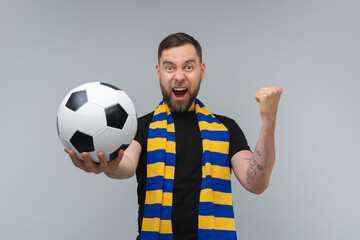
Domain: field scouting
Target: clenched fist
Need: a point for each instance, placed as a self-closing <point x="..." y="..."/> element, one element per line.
<point x="269" y="98"/>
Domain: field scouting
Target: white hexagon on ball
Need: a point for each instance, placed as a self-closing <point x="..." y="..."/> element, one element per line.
<point x="128" y="130"/>
<point x="102" y="143"/>
<point x="66" y="123"/>
<point x="67" y="144"/>
<point x="90" y="119"/>
<point x="126" y="103"/>
<point x="102" y="95"/>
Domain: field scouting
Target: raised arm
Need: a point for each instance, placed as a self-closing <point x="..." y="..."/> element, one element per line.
<point x="124" y="166"/>
<point x="253" y="169"/>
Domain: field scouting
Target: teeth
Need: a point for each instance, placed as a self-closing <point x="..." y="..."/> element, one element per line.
<point x="180" y="89"/>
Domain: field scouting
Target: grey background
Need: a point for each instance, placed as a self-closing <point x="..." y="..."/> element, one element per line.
<point x="309" y="48"/>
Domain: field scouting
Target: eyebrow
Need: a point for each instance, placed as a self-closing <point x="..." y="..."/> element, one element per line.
<point x="188" y="61"/>
<point x="167" y="62"/>
<point x="191" y="60"/>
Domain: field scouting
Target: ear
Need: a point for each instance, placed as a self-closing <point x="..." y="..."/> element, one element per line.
<point x="203" y="70"/>
<point x="158" y="72"/>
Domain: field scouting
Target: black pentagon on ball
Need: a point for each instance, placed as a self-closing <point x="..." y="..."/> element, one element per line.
<point x="82" y="142"/>
<point x="116" y="116"/>
<point x="77" y="100"/>
<point x="110" y="86"/>
<point x="115" y="153"/>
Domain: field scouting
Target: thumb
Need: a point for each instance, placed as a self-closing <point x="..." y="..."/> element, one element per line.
<point x="113" y="164"/>
<point x="259" y="97"/>
<point x="120" y="154"/>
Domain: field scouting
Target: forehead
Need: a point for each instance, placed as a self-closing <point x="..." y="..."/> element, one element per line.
<point x="179" y="54"/>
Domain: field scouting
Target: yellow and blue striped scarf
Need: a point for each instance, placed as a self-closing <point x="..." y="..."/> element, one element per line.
<point x="216" y="215"/>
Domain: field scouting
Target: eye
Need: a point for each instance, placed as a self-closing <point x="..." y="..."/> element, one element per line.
<point x="169" y="68"/>
<point x="189" y="67"/>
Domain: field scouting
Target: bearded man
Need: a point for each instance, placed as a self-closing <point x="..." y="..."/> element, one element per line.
<point x="183" y="154"/>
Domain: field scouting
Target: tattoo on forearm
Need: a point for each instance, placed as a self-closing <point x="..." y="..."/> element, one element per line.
<point x="253" y="166"/>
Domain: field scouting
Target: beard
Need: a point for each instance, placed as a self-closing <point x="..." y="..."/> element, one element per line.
<point x="182" y="106"/>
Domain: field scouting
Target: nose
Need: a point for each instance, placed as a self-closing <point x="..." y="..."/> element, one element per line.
<point x="179" y="75"/>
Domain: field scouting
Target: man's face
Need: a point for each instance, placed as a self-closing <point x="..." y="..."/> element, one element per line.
<point x="180" y="73"/>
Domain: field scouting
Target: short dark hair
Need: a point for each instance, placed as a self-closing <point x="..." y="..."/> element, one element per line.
<point x="176" y="40"/>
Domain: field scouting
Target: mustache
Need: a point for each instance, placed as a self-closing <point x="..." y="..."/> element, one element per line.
<point x="179" y="85"/>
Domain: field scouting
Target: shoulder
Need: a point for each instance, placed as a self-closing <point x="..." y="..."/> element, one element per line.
<point x="228" y="122"/>
<point x="238" y="140"/>
<point x="145" y="119"/>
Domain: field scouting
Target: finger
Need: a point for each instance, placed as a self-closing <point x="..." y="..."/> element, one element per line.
<point x="120" y="154"/>
<point x="89" y="163"/>
<point x="267" y="93"/>
<point x="267" y="88"/>
<point x="77" y="162"/>
<point x="259" y="96"/>
<point x="103" y="162"/>
<point x="117" y="160"/>
<point x="276" y="90"/>
<point x="66" y="150"/>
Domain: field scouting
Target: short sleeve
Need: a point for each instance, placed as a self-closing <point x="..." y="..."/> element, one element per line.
<point x="143" y="128"/>
<point x="238" y="140"/>
<point x="139" y="137"/>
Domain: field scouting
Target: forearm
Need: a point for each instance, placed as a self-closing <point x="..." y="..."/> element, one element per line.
<point x="263" y="159"/>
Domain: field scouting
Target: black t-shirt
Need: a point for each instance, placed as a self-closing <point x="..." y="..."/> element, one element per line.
<point x="188" y="169"/>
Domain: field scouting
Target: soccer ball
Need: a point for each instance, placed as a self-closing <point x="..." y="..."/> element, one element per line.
<point x="96" y="117"/>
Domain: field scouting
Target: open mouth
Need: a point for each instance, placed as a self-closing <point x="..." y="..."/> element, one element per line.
<point x="180" y="93"/>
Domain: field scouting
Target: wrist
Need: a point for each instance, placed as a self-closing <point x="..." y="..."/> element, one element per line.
<point x="268" y="121"/>
<point x="111" y="172"/>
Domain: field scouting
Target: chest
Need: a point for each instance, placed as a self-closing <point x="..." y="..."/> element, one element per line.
<point x="188" y="149"/>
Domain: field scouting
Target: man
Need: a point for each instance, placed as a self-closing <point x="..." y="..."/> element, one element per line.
<point x="182" y="154"/>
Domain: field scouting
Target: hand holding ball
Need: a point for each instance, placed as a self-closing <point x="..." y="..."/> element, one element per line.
<point x="96" y="117"/>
